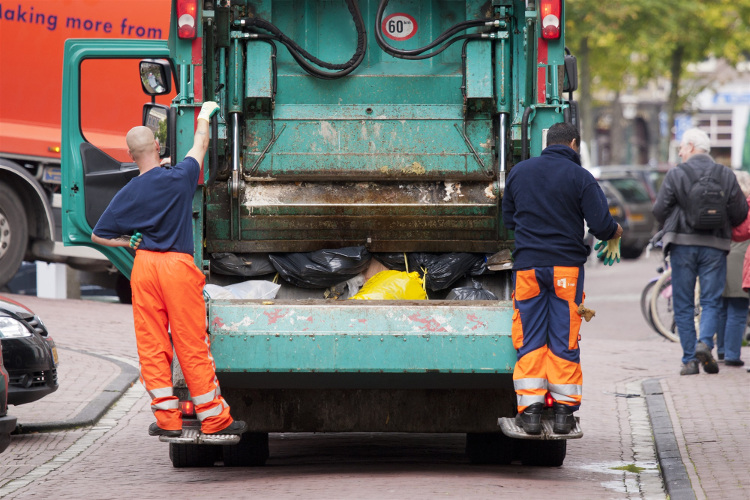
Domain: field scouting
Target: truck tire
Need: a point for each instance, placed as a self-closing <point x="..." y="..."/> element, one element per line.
<point x="14" y="234"/>
<point x="193" y="455"/>
<point x="123" y="290"/>
<point x="251" y="451"/>
<point x="547" y="453"/>
<point x="490" y="448"/>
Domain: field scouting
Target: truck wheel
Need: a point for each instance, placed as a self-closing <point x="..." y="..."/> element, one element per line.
<point x="123" y="290"/>
<point x="549" y="453"/>
<point x="193" y="455"/>
<point x="252" y="450"/>
<point x="490" y="448"/>
<point x="14" y="234"/>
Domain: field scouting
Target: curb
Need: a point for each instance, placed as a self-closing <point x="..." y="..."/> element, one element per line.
<point x="94" y="410"/>
<point x="673" y="469"/>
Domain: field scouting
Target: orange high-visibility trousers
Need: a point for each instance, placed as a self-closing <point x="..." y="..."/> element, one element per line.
<point x="545" y="331"/>
<point x="168" y="296"/>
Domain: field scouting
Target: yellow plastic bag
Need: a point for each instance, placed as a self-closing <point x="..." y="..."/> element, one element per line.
<point x="392" y="285"/>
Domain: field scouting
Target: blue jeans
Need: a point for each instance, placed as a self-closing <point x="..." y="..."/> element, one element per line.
<point x="731" y="329"/>
<point x="710" y="266"/>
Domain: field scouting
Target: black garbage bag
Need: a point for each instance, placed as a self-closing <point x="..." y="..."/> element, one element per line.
<point x="241" y="264"/>
<point x="322" y="268"/>
<point x="474" y="292"/>
<point x="440" y="270"/>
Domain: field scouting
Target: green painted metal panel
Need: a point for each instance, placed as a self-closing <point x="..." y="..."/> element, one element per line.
<point x="362" y="336"/>
<point x="258" y="77"/>
<point x="479" y="70"/>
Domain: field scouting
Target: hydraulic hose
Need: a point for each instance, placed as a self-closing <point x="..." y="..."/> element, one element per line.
<point x="417" y="54"/>
<point x="301" y="56"/>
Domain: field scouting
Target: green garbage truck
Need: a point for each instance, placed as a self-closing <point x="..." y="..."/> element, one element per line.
<point x="352" y="136"/>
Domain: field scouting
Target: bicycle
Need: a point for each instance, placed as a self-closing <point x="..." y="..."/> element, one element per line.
<point x="656" y="299"/>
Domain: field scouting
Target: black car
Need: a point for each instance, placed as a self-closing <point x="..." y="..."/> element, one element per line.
<point x="7" y="423"/>
<point x="633" y="187"/>
<point x="29" y="353"/>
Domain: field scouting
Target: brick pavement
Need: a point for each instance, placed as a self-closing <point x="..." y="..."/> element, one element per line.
<point x="709" y="415"/>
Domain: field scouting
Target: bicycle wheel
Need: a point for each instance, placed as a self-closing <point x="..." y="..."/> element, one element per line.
<point x="662" y="311"/>
<point x="646" y="302"/>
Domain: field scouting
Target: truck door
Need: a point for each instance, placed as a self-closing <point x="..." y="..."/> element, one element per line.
<point x="100" y="77"/>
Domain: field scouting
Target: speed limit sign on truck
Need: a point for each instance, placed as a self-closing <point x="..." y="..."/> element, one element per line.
<point x="399" y="26"/>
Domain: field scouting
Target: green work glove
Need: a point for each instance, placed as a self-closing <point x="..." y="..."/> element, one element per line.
<point x="135" y="240"/>
<point x="609" y="251"/>
<point x="208" y="109"/>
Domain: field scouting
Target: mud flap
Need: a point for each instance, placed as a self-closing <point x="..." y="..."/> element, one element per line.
<point x="510" y="429"/>
<point x="195" y="436"/>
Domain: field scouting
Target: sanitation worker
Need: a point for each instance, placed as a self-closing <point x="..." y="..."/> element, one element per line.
<point x="546" y="200"/>
<point x="156" y="208"/>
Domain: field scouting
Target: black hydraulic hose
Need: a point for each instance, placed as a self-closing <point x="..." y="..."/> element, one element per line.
<point x="473" y="36"/>
<point x="302" y="56"/>
<point x="415" y="53"/>
<point x="525" y="134"/>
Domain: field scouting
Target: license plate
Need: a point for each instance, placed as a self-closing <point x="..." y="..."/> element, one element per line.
<point x="636" y="217"/>
<point x="54" y="354"/>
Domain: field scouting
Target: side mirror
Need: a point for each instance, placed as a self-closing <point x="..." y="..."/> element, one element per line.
<point x="156" y="117"/>
<point x="156" y="77"/>
<point x="570" y="82"/>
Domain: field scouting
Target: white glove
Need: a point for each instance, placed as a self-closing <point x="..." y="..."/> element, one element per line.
<point x="207" y="110"/>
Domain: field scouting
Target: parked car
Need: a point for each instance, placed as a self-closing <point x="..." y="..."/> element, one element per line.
<point x="29" y="353"/>
<point x="641" y="223"/>
<point x="616" y="210"/>
<point x="651" y="177"/>
<point x="7" y="422"/>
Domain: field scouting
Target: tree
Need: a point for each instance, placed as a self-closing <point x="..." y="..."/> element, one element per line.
<point x="643" y="39"/>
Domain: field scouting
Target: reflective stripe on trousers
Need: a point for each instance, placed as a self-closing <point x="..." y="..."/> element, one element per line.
<point x="545" y="332"/>
<point x="168" y="295"/>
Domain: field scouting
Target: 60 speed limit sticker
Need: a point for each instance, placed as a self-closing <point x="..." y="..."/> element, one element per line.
<point x="399" y="26"/>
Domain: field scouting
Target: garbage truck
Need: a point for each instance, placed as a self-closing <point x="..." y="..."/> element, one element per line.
<point x="352" y="137"/>
<point x="32" y="36"/>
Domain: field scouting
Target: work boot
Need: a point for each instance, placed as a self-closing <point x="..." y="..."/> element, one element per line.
<point x="564" y="419"/>
<point x="530" y="420"/>
<point x="690" y="368"/>
<point x="236" y="428"/>
<point x="155" y="430"/>
<point x="703" y="353"/>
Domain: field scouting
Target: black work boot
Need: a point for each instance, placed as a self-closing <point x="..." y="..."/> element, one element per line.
<point x="530" y="420"/>
<point x="235" y="428"/>
<point x="564" y="419"/>
<point x="155" y="430"/>
<point x="703" y="353"/>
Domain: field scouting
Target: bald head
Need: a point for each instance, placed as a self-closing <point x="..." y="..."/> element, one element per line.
<point x="141" y="144"/>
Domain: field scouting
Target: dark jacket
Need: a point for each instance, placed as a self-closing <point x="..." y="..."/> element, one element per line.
<point x="672" y="198"/>
<point x="545" y="202"/>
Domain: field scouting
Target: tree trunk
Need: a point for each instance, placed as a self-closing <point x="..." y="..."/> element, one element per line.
<point x="617" y="139"/>
<point x="584" y="82"/>
<point x="675" y="75"/>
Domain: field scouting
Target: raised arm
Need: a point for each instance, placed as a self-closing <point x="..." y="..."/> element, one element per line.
<point x="201" y="139"/>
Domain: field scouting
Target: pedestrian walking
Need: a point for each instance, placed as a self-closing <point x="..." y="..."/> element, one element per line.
<point x="698" y="204"/>
<point x="167" y="285"/>
<point x="735" y="301"/>
<point x="546" y="202"/>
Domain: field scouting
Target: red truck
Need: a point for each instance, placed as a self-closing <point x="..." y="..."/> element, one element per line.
<point x="32" y="35"/>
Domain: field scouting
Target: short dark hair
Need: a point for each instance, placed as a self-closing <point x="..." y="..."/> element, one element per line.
<point x="563" y="133"/>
